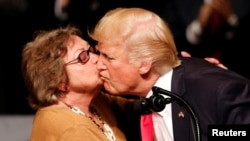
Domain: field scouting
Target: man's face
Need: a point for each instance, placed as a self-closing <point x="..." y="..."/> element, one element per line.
<point x="119" y="75"/>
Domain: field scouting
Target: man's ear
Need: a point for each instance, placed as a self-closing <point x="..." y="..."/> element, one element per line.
<point x="146" y="65"/>
<point x="63" y="87"/>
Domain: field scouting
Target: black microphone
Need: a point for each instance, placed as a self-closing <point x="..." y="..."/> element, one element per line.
<point x="182" y="102"/>
<point x="157" y="103"/>
<point x="154" y="103"/>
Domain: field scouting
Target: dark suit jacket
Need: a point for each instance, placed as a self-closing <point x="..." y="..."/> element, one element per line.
<point x="216" y="95"/>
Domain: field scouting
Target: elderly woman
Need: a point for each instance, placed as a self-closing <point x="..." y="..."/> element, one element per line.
<point x="59" y="69"/>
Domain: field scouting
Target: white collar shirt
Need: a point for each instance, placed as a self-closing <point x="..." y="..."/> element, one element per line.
<point x="163" y="127"/>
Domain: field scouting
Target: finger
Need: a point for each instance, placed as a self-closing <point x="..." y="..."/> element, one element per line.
<point x="185" y="54"/>
<point x="222" y="66"/>
<point x="212" y="60"/>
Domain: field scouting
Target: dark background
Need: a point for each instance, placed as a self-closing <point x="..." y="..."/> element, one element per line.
<point x="19" y="20"/>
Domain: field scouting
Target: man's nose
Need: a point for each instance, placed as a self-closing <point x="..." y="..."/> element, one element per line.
<point x="94" y="58"/>
<point x="100" y="65"/>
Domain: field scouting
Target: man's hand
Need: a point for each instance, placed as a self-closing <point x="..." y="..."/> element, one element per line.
<point x="209" y="59"/>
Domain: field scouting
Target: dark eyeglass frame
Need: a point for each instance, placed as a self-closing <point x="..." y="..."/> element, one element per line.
<point x="83" y="56"/>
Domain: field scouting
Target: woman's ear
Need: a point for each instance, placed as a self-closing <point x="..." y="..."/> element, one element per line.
<point x="63" y="87"/>
<point x="146" y="65"/>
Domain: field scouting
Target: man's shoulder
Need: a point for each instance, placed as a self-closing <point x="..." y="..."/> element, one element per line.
<point x="196" y="63"/>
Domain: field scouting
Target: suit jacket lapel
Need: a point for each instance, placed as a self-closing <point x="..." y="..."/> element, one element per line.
<point x="181" y="119"/>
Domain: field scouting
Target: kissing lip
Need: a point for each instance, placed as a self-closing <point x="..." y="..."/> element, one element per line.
<point x="103" y="77"/>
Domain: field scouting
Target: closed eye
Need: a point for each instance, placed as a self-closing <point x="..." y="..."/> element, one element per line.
<point x="97" y="52"/>
<point x="107" y="57"/>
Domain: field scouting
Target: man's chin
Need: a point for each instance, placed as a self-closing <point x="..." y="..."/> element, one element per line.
<point x="106" y="87"/>
<point x="109" y="89"/>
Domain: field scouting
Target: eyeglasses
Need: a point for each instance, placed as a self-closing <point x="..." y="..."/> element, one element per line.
<point x="83" y="57"/>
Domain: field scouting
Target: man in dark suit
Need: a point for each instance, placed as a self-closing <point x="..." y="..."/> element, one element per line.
<point x="137" y="52"/>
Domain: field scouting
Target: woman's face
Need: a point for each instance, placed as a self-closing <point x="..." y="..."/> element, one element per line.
<point x="80" y="63"/>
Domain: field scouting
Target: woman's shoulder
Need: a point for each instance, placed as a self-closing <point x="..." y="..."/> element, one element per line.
<point x="58" y="116"/>
<point x="61" y="122"/>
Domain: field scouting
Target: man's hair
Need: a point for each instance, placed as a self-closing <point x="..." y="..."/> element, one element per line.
<point x="143" y="34"/>
<point x="43" y="67"/>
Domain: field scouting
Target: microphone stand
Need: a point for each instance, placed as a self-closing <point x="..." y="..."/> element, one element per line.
<point x="157" y="103"/>
<point x="174" y="97"/>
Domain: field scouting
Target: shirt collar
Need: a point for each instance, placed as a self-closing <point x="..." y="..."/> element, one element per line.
<point x="163" y="82"/>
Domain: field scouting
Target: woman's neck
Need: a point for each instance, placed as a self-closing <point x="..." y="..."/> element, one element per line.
<point x="81" y="101"/>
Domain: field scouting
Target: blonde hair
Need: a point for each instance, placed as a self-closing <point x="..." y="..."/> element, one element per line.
<point x="43" y="67"/>
<point x="142" y="32"/>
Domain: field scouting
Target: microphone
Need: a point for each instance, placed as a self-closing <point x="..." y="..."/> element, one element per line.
<point x="154" y="103"/>
<point x="157" y="103"/>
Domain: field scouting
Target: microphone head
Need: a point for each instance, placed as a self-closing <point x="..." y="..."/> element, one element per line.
<point x="155" y="103"/>
<point x="142" y="107"/>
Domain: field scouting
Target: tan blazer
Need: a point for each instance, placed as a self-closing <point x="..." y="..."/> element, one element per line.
<point x="61" y="124"/>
